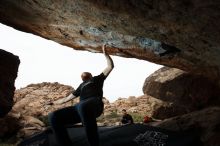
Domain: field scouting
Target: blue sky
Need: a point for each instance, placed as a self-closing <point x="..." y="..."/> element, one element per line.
<point x="47" y="61"/>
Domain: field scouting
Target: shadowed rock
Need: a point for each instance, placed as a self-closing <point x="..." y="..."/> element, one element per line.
<point x="184" y="34"/>
<point x="8" y="72"/>
<point x="205" y="123"/>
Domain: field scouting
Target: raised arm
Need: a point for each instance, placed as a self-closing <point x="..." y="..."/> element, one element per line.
<point x="110" y="64"/>
<point x="65" y="99"/>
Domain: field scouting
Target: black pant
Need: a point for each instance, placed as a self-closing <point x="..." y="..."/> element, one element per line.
<point x="86" y="112"/>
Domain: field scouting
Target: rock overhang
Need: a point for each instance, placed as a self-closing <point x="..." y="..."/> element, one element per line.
<point x="182" y="34"/>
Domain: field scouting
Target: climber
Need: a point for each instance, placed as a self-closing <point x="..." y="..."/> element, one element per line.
<point x="86" y="111"/>
<point x="126" y="118"/>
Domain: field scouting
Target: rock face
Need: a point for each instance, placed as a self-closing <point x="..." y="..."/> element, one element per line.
<point x="147" y="105"/>
<point x="142" y="105"/>
<point x="32" y="105"/>
<point x="8" y="72"/>
<point x="186" y="92"/>
<point x="35" y="99"/>
<point x="204" y="123"/>
<point x="182" y="34"/>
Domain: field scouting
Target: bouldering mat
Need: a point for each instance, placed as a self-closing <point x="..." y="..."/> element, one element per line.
<point x="125" y="135"/>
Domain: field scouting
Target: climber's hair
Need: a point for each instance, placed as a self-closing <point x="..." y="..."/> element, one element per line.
<point x="86" y="76"/>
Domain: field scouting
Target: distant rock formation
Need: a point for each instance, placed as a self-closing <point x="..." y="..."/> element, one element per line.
<point x="32" y="105"/>
<point x="142" y="105"/>
<point x="138" y="107"/>
<point x="9" y="64"/>
<point x="36" y="99"/>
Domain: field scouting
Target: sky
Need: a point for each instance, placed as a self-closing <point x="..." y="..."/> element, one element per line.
<point x="44" y="60"/>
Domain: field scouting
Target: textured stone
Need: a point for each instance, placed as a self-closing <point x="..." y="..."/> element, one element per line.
<point x="8" y="72"/>
<point x="186" y="92"/>
<point x="184" y="34"/>
<point x="142" y="105"/>
<point x="36" y="99"/>
<point x="205" y="123"/>
<point x="32" y="105"/>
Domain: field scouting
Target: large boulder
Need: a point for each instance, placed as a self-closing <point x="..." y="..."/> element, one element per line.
<point x="184" y="91"/>
<point x="184" y="34"/>
<point x="204" y="123"/>
<point x="9" y="64"/>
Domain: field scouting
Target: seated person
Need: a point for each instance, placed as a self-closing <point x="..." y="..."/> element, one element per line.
<point x="126" y="119"/>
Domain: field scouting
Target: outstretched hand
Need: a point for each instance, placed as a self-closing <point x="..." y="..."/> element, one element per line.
<point x="103" y="49"/>
<point x="57" y="102"/>
<point x="110" y="64"/>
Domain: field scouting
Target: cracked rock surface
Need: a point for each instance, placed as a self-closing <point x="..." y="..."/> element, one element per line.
<point x="184" y="34"/>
